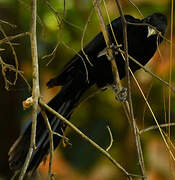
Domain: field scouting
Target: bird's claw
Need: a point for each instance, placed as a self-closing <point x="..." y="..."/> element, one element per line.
<point x="114" y="48"/>
<point x="122" y="95"/>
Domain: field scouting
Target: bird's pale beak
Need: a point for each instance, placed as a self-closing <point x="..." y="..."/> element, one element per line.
<point x="151" y="32"/>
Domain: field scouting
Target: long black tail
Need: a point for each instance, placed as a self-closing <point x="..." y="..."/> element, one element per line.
<point x="64" y="103"/>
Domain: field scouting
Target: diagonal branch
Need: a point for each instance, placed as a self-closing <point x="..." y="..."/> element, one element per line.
<point x="117" y="82"/>
<point x="10" y="38"/>
<point x="100" y="149"/>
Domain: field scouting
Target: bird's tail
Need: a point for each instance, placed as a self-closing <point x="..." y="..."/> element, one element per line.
<point x="64" y="103"/>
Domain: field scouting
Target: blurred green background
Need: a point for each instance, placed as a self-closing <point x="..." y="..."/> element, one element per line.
<point x="81" y="161"/>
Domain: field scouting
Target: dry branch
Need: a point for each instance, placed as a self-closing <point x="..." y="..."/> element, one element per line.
<point x="50" y="174"/>
<point x="155" y="127"/>
<point x="35" y="90"/>
<point x="100" y="149"/>
<point x="133" y="123"/>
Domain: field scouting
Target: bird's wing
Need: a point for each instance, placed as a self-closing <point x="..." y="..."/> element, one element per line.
<point x="79" y="64"/>
<point x="79" y="61"/>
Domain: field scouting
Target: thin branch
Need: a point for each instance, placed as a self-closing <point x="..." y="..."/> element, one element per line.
<point x="9" y="24"/>
<point x="100" y="149"/>
<point x="136" y="7"/>
<point x="52" y="54"/>
<point x="133" y="123"/>
<point x="13" y="52"/>
<point x="111" y="139"/>
<point x="155" y="127"/>
<point x="117" y="82"/>
<point x="50" y="173"/>
<point x="149" y="72"/>
<point x="4" y="67"/>
<point x="60" y="19"/>
<point x="170" y="66"/>
<point x="78" y="54"/>
<point x="14" y="175"/>
<point x="154" y="117"/>
<point x="35" y="90"/>
<point x="11" y="38"/>
<point x="83" y="35"/>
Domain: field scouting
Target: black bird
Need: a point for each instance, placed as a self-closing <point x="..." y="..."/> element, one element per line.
<point x="74" y="79"/>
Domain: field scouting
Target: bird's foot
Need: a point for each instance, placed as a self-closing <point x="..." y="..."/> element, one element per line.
<point x="114" y="48"/>
<point x="121" y="95"/>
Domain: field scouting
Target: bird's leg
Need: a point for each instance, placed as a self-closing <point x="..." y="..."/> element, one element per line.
<point x="121" y="95"/>
<point x="114" y="48"/>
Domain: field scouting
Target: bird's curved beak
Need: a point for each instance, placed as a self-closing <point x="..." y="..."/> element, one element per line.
<point x="151" y="32"/>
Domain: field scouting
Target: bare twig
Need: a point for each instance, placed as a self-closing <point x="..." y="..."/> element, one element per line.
<point x="111" y="139"/>
<point x="127" y="106"/>
<point x="133" y="123"/>
<point x="14" y="175"/>
<point x="35" y="91"/>
<point x="155" y="119"/>
<point x="77" y="53"/>
<point x="117" y="84"/>
<point x="136" y="7"/>
<point x="4" y="67"/>
<point x="82" y="39"/>
<point x="155" y="127"/>
<point x="11" y="38"/>
<point x="52" y="54"/>
<point x="51" y="133"/>
<point x="13" y="52"/>
<point x="9" y="24"/>
<point x="59" y="18"/>
<point x="50" y="173"/>
<point x="149" y="72"/>
<point x="100" y="149"/>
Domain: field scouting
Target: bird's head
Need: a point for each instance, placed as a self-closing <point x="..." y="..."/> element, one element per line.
<point x="158" y="21"/>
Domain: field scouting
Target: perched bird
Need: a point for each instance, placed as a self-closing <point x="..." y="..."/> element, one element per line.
<point x="81" y="73"/>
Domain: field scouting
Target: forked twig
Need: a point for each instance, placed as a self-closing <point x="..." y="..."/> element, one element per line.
<point x="13" y="52"/>
<point x="11" y="38"/>
<point x="5" y="67"/>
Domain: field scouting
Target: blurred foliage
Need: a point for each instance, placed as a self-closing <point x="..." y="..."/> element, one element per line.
<point x="81" y="161"/>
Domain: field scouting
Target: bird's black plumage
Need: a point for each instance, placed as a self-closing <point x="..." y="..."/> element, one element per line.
<point x="75" y="80"/>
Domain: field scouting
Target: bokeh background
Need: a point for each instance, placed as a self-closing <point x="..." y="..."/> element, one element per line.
<point x="81" y="161"/>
